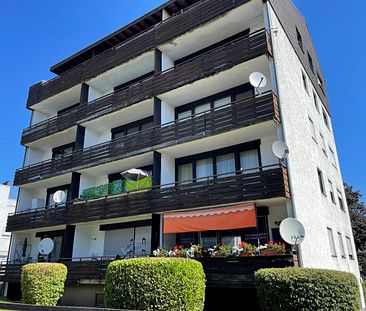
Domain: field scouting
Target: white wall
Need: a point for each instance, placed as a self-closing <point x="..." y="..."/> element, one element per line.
<point x="34" y="155"/>
<point x="167" y="169"/>
<point x="167" y="112"/>
<point x="38" y="116"/>
<point x="88" y="181"/>
<point x="166" y="62"/>
<point x="312" y="208"/>
<point x="95" y="93"/>
<point x="88" y="241"/>
<point x="26" y="196"/>
<point x="93" y="137"/>
<point x="17" y="246"/>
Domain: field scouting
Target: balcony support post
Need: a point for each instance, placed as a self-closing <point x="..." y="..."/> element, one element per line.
<point x="68" y="242"/>
<point x="155" y="232"/>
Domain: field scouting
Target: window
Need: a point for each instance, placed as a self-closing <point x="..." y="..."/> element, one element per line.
<point x="59" y="152"/>
<point x="225" y="164"/>
<point x="332" y="157"/>
<point x="331" y="192"/>
<point x="322" y="141"/>
<point x="325" y="119"/>
<point x="51" y="191"/>
<point x="312" y="129"/>
<point x="305" y="82"/>
<point x="321" y="181"/>
<point x="299" y="39"/>
<point x="215" y="102"/>
<point x="331" y="243"/>
<point x="311" y="62"/>
<point x="202" y="108"/>
<point x="249" y="161"/>
<point x="184" y="114"/>
<point x="219" y="163"/>
<point x="349" y="247"/>
<point x="341" y="245"/>
<point x="185" y="172"/>
<point x="316" y="104"/>
<point x="204" y="168"/>
<point x="132" y="128"/>
<point x="340" y="200"/>
<point x="222" y="102"/>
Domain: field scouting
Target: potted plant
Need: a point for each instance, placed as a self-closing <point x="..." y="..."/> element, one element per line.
<point x="273" y="249"/>
<point x="179" y="251"/>
<point x="222" y="250"/>
<point x="195" y="251"/>
<point x="246" y="249"/>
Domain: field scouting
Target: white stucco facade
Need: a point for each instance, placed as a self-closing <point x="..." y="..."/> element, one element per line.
<point x="300" y="116"/>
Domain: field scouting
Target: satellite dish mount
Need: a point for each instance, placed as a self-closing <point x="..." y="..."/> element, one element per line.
<point x="257" y="80"/>
<point x="292" y="232"/>
<point x="280" y="150"/>
<point x="45" y="246"/>
<point x="59" y="197"/>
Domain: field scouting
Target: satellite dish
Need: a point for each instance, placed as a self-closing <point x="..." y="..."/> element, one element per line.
<point x="292" y="231"/>
<point x="257" y="80"/>
<point x="45" y="246"/>
<point x="280" y="149"/>
<point x="59" y="196"/>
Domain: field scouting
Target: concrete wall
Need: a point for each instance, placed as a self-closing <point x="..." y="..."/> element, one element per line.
<point x="81" y="295"/>
<point x="311" y="207"/>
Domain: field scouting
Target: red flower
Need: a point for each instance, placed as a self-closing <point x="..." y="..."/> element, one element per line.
<point x="180" y="246"/>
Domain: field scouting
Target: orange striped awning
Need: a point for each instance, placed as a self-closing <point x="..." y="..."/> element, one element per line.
<point x="224" y="218"/>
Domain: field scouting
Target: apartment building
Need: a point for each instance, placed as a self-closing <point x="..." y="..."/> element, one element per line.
<point x="169" y="94"/>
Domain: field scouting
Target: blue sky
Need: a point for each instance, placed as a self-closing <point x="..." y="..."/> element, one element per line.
<point x="37" y="34"/>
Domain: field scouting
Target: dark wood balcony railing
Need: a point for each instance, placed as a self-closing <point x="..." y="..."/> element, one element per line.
<point x="187" y="20"/>
<point x="217" y="60"/>
<point x="235" y="115"/>
<point x="261" y="183"/>
<point x="236" y="272"/>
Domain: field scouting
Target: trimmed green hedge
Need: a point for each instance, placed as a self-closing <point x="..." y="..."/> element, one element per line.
<point x="306" y="289"/>
<point x="43" y="283"/>
<point x="155" y="284"/>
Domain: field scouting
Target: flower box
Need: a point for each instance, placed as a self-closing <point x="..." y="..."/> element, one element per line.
<point x="269" y="252"/>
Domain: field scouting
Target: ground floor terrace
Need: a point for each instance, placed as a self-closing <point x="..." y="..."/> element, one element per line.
<point x="87" y="248"/>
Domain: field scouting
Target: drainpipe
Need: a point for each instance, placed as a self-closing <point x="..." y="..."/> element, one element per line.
<point x="281" y="132"/>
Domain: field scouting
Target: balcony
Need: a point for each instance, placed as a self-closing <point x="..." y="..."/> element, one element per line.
<point x="261" y="183"/>
<point x="205" y="65"/>
<point x="237" y="272"/>
<point x="193" y="16"/>
<point x="236" y="115"/>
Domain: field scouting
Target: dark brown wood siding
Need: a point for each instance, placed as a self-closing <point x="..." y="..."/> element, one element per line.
<point x="267" y="182"/>
<point x="240" y="114"/>
<point x="175" y="26"/>
<point x="218" y="60"/>
<point x="237" y="272"/>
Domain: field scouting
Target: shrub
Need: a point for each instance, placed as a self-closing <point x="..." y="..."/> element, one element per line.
<point x="43" y="283"/>
<point x="306" y="289"/>
<point x="155" y="284"/>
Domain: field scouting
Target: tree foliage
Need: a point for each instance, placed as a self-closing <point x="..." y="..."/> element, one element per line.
<point x="357" y="211"/>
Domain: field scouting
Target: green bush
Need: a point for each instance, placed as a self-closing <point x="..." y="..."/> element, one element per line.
<point x="43" y="283"/>
<point x="306" y="289"/>
<point x="155" y="284"/>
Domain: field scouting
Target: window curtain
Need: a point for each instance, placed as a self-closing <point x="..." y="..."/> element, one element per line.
<point x="185" y="173"/>
<point x="204" y="168"/>
<point x="249" y="161"/>
<point x="222" y="102"/>
<point x="225" y="165"/>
